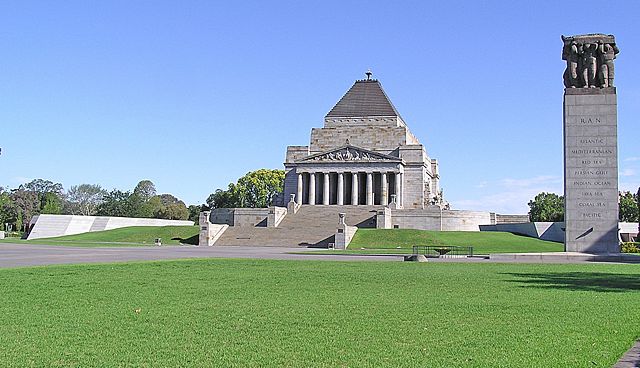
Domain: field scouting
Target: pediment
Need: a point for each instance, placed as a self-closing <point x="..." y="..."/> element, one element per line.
<point x="349" y="153"/>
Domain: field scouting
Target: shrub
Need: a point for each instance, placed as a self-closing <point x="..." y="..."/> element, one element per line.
<point x="630" y="247"/>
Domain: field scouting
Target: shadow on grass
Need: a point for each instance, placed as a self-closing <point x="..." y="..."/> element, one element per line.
<point x="193" y="240"/>
<point x="579" y="281"/>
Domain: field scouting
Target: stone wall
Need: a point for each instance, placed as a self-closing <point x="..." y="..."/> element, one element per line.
<point x="222" y="216"/>
<point x="432" y="218"/>
<point x="250" y="217"/>
<point x="375" y="138"/>
<point x="47" y="226"/>
<point x="551" y="231"/>
<point x="240" y="216"/>
<point x="413" y="189"/>
<point x="511" y="219"/>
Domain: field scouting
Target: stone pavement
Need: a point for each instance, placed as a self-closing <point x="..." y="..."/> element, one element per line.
<point x="19" y="255"/>
<point x="631" y="359"/>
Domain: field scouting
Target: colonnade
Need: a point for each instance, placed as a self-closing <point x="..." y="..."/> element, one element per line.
<point x="348" y="188"/>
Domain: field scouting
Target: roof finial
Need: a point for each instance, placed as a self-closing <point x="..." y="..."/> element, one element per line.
<point x="368" y="74"/>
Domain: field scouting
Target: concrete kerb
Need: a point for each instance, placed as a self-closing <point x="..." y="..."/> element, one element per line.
<point x="631" y="358"/>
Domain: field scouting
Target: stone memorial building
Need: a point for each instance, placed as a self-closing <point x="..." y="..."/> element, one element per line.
<point x="363" y="168"/>
<point x="364" y="154"/>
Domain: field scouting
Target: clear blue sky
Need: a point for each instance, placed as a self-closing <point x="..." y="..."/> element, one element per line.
<point x="194" y="94"/>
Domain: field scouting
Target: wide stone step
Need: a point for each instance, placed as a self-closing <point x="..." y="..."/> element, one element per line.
<point x="311" y="226"/>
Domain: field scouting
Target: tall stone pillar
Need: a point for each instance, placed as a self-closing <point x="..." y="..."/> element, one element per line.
<point x="325" y="190"/>
<point x="398" y="188"/>
<point x="312" y="188"/>
<point x="369" y="189"/>
<point x="299" y="190"/>
<point x="340" y="194"/>
<point x="354" y="189"/>
<point x="591" y="151"/>
<point x="385" y="190"/>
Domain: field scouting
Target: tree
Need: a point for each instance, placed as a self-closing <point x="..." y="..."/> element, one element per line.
<point x="256" y="189"/>
<point x="7" y="209"/>
<point x="628" y="207"/>
<point x="146" y="209"/>
<point x="116" y="203"/>
<point x="145" y="190"/>
<point x="173" y="211"/>
<point x="84" y="199"/>
<point x="42" y="186"/>
<point x="546" y="207"/>
<point x="194" y="213"/>
<point x="223" y="198"/>
<point x="27" y="204"/>
<point x="52" y="204"/>
<point x="171" y="208"/>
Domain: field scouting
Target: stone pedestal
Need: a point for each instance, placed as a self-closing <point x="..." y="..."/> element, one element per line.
<point x="591" y="170"/>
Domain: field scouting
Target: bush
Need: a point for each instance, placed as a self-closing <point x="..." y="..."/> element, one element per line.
<point x="630" y="247"/>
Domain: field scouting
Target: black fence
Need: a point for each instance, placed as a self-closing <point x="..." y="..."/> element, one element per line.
<point x="436" y="251"/>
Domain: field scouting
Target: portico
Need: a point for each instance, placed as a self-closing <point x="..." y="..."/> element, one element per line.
<point x="328" y="186"/>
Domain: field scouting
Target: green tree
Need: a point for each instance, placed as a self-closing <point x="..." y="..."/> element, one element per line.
<point x="52" y="204"/>
<point x="171" y="208"/>
<point x="145" y="190"/>
<point x="42" y="186"/>
<point x="7" y="209"/>
<point x="223" y="198"/>
<point x="194" y="213"/>
<point x="84" y="199"/>
<point x="256" y="189"/>
<point x="27" y="204"/>
<point x="146" y="209"/>
<point x="117" y="203"/>
<point x="546" y="207"/>
<point x="173" y="211"/>
<point x="628" y="211"/>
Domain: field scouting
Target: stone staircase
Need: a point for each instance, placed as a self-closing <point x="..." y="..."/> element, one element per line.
<point x="311" y="226"/>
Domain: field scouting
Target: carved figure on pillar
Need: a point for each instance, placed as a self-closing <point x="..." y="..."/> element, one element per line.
<point x="572" y="55"/>
<point x="589" y="64"/>
<point x="607" y="53"/>
<point x="589" y="60"/>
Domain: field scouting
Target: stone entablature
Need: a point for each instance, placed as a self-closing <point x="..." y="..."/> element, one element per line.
<point x="394" y="121"/>
<point x="349" y="153"/>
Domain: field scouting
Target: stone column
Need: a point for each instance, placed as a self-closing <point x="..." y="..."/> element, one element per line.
<point x="354" y="189"/>
<point x="369" y="189"/>
<point x="340" y="189"/>
<point x="385" y="190"/>
<point x="398" y="180"/>
<point x="591" y="170"/>
<point x="312" y="188"/>
<point x="325" y="190"/>
<point x="299" y="191"/>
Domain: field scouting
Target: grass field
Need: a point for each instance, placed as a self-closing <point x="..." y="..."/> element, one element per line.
<point x="258" y="313"/>
<point x="126" y="236"/>
<point x="486" y="242"/>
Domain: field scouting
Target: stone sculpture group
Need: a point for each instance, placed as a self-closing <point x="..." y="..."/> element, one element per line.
<point x="589" y="60"/>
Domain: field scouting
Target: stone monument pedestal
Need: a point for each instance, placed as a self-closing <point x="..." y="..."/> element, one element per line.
<point x="591" y="170"/>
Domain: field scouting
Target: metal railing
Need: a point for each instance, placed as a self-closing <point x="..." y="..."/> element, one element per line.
<point x="437" y="251"/>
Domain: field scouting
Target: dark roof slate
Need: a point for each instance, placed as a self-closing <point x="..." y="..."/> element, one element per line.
<point x="364" y="98"/>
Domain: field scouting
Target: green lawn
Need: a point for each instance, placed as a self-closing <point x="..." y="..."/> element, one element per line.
<point x="126" y="236"/>
<point x="485" y="242"/>
<point x="260" y="313"/>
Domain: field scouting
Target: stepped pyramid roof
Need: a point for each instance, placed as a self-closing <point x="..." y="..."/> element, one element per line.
<point x="365" y="98"/>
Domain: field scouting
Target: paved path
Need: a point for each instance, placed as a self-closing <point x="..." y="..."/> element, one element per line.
<point x="630" y="359"/>
<point x="18" y="255"/>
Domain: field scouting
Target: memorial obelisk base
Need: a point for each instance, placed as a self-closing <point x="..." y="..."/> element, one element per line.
<point x="591" y="170"/>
